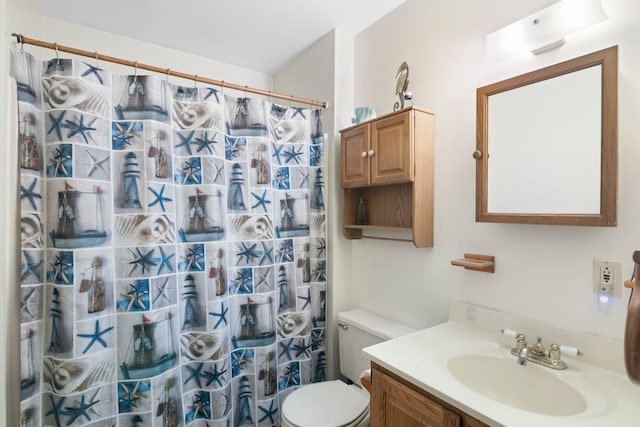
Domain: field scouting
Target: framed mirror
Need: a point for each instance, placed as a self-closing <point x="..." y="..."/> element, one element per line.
<point x="547" y="143"/>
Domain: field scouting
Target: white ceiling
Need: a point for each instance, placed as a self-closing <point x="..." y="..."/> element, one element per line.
<point x="262" y="35"/>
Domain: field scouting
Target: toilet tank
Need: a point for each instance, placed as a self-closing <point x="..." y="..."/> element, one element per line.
<point x="358" y="329"/>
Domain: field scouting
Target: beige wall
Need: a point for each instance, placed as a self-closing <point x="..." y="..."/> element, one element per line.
<point x="542" y="272"/>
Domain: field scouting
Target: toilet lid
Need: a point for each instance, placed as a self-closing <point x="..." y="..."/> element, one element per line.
<point x="330" y="403"/>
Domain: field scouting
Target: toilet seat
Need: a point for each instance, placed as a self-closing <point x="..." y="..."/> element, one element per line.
<point x="326" y="404"/>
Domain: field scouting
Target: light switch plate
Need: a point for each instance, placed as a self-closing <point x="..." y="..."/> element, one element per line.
<point x="607" y="277"/>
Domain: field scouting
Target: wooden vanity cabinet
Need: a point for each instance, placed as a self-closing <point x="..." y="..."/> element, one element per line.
<point x="388" y="161"/>
<point x="396" y="402"/>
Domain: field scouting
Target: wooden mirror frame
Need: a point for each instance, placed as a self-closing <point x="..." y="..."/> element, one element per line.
<point x="607" y="217"/>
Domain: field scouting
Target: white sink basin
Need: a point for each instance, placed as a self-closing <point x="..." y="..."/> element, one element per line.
<point x="531" y="388"/>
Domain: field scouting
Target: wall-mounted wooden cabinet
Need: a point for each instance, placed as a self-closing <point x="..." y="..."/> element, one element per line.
<point x="396" y="402"/>
<point x="388" y="162"/>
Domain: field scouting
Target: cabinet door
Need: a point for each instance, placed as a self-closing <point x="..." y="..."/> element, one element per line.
<point x="393" y="404"/>
<point x="391" y="142"/>
<point x="355" y="160"/>
<point x="355" y="166"/>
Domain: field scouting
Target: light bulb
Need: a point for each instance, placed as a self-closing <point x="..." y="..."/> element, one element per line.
<point x="604" y="298"/>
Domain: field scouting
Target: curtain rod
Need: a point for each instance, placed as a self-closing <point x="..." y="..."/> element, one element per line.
<point x="221" y="83"/>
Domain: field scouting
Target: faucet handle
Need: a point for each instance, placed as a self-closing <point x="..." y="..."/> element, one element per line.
<point x="570" y="351"/>
<point x="521" y="342"/>
<point x="554" y="352"/>
<point x="509" y="333"/>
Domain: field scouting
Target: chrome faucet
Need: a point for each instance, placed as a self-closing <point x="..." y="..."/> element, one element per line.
<point x="522" y="356"/>
<point x="537" y="353"/>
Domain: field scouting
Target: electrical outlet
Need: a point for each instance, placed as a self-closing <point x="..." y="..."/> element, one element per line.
<point x="607" y="277"/>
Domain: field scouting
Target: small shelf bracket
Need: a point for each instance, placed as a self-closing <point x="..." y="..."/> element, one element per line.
<point x="485" y="263"/>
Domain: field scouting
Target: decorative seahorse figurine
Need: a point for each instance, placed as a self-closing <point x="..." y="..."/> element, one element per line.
<point x="632" y="327"/>
<point x="402" y="83"/>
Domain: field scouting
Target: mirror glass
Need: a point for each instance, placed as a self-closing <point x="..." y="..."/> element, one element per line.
<point x="547" y="144"/>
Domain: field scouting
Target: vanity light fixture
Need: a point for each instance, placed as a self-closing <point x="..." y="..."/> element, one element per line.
<point x="546" y="29"/>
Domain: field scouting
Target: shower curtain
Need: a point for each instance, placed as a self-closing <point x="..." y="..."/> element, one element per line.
<point x="173" y="250"/>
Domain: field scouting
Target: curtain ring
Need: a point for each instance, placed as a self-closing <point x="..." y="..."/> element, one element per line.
<point x="21" y="41"/>
<point x="96" y="53"/>
<point x="195" y="81"/>
<point x="222" y="89"/>
<point x="135" y="69"/>
<point x="57" y="53"/>
<point x="168" y="74"/>
<point x="245" y="90"/>
<point x="269" y="96"/>
<point x="291" y="101"/>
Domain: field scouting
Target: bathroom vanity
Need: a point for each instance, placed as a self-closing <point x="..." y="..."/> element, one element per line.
<point x="462" y="373"/>
<point x="398" y="402"/>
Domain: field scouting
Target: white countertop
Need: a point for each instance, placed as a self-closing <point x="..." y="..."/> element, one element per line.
<point x="421" y="358"/>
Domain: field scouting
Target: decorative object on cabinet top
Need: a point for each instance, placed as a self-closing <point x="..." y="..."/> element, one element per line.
<point x="363" y="114"/>
<point x="402" y="84"/>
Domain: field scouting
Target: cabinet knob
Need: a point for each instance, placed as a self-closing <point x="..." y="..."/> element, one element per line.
<point x="477" y="154"/>
<point x="363" y="154"/>
<point x="370" y="153"/>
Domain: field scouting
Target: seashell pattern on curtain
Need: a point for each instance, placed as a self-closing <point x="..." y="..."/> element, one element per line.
<point x="173" y="250"/>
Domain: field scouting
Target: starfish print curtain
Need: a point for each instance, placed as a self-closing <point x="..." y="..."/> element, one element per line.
<point x="173" y="265"/>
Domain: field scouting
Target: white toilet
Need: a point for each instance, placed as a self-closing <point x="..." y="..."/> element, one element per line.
<point x="334" y="403"/>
